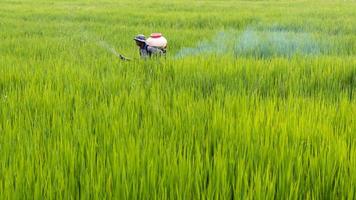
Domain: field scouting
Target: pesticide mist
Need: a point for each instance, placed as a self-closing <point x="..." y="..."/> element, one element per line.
<point x="109" y="48"/>
<point x="92" y="38"/>
<point x="258" y="44"/>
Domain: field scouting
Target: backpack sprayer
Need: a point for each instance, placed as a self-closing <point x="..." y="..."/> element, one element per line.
<point x="157" y="40"/>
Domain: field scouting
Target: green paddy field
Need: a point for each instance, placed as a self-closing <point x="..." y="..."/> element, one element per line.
<point x="254" y="100"/>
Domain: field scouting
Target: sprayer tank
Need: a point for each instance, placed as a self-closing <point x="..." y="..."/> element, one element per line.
<point x="157" y="40"/>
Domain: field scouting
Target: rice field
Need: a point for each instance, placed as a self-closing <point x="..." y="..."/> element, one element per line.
<point x="255" y="100"/>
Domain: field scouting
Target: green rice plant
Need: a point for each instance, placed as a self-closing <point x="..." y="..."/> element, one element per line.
<point x="218" y="121"/>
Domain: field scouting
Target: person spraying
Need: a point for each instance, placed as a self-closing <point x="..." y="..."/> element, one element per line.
<point x="154" y="46"/>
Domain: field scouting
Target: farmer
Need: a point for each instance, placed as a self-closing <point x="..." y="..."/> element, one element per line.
<point x="145" y="50"/>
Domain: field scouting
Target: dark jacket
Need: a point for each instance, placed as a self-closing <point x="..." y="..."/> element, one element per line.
<point x="147" y="51"/>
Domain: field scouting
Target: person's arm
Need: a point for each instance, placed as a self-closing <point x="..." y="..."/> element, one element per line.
<point x="144" y="53"/>
<point x="155" y="51"/>
<point x="151" y="50"/>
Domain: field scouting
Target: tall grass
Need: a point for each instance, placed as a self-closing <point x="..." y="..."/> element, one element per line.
<point x="76" y="122"/>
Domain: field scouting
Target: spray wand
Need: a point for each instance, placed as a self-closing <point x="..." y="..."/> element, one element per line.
<point x="122" y="57"/>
